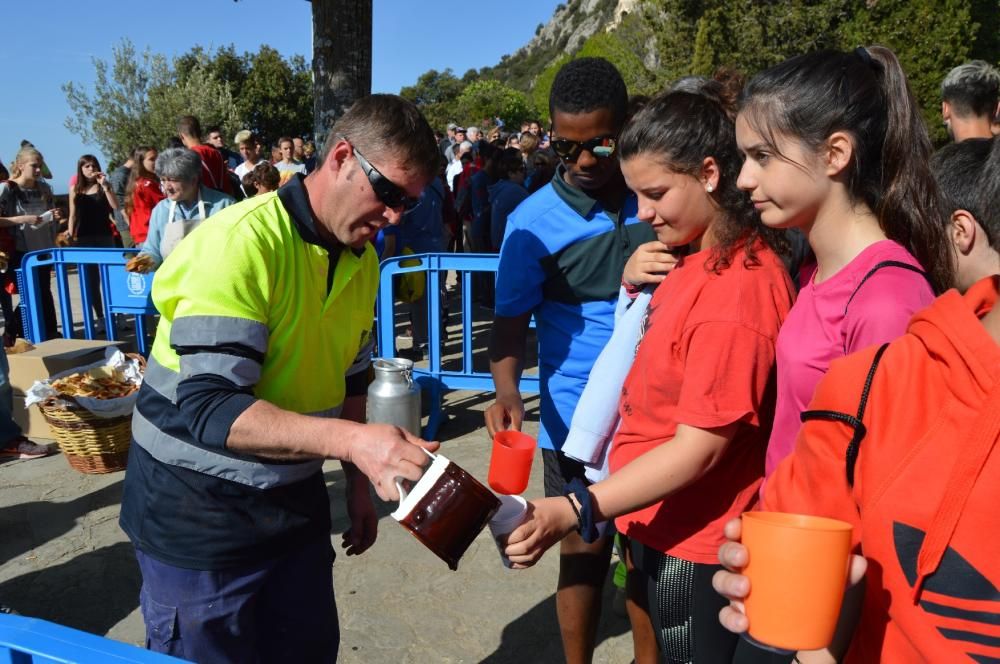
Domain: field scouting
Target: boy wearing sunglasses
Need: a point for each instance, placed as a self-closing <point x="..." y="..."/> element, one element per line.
<point x="562" y="258"/>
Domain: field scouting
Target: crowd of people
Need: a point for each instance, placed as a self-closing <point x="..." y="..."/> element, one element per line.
<point x="811" y="292"/>
<point x="800" y="224"/>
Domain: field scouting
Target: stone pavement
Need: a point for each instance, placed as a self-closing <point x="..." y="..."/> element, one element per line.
<point x="64" y="559"/>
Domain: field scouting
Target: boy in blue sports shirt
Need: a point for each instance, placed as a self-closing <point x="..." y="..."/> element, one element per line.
<point x="562" y="259"/>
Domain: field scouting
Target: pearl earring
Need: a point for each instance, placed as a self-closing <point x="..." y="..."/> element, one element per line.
<point x="709" y="188"/>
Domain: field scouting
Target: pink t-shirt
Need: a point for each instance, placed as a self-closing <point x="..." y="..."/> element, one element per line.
<point x="817" y="330"/>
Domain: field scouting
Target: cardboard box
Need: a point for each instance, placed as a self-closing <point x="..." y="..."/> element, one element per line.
<point x="31" y="421"/>
<point x="52" y="357"/>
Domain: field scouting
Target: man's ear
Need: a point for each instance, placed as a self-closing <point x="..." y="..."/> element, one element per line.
<point x="339" y="153"/>
<point x="945" y="111"/>
<point x="839" y="152"/>
<point x="963" y="231"/>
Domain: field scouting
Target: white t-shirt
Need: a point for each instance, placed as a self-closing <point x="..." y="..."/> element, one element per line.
<point x="454" y="168"/>
<point x="294" y="167"/>
<point x="243" y="169"/>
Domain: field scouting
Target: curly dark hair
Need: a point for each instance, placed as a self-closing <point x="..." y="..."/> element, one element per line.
<point x="680" y="129"/>
<point x="589" y="84"/>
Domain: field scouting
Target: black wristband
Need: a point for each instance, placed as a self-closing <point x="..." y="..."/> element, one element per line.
<point x="588" y="529"/>
<point x="579" y="519"/>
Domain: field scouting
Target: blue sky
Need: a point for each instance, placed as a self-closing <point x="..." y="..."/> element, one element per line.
<point x="49" y="43"/>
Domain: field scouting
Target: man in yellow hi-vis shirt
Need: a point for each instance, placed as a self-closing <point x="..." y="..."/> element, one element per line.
<point x="258" y="374"/>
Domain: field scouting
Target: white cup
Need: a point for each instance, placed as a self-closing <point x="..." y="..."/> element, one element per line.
<point x="512" y="513"/>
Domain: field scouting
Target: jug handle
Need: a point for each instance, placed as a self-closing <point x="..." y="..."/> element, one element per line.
<point x="399" y="484"/>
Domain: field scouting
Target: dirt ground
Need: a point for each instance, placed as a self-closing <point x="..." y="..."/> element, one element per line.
<point x="64" y="559"/>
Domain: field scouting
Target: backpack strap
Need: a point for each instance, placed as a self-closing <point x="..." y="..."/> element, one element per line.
<point x="853" y="421"/>
<point x="876" y="268"/>
<point x="871" y="272"/>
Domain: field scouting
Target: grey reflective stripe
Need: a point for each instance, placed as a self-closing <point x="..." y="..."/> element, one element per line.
<point x="219" y="331"/>
<point x="224" y="465"/>
<point x="242" y="371"/>
<point x="363" y="358"/>
<point x="329" y="412"/>
<point x="162" y="379"/>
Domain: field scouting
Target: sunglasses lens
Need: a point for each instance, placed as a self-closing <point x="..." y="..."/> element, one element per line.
<point x="566" y="149"/>
<point x="601" y="147"/>
<point x="393" y="197"/>
<point x="569" y="150"/>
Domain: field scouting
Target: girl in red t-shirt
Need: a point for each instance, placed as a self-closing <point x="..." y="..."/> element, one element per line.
<point x="143" y="192"/>
<point x="696" y="407"/>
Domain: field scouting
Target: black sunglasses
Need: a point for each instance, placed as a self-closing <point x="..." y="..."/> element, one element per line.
<point x="389" y="193"/>
<point x="601" y="146"/>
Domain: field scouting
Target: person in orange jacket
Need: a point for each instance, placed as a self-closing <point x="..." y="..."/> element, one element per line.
<point x="900" y="440"/>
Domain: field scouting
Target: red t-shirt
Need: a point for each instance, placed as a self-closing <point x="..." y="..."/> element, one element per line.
<point x="213" y="169"/>
<point x="706" y="360"/>
<point x="145" y="196"/>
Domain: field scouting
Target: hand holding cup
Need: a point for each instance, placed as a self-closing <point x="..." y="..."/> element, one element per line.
<point x="786" y="579"/>
<point x="510" y="462"/>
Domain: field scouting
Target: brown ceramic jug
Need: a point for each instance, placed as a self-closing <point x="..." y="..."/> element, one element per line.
<point x="446" y="510"/>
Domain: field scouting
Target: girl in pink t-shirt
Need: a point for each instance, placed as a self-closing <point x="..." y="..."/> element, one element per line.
<point x="835" y="146"/>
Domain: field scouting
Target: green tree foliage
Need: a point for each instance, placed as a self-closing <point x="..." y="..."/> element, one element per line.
<point x="137" y="100"/>
<point x="436" y="94"/>
<point x="115" y="115"/>
<point x="200" y="94"/>
<point x="543" y="85"/>
<point x="276" y="97"/>
<point x="660" y="41"/>
<point x="930" y="38"/>
<point x="482" y="101"/>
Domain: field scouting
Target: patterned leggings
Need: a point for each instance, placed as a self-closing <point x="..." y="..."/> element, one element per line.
<point x="684" y="609"/>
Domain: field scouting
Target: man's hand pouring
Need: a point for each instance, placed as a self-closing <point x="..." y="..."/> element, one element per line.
<point x="387" y="453"/>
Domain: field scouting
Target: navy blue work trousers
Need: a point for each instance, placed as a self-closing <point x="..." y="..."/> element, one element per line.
<point x="281" y="610"/>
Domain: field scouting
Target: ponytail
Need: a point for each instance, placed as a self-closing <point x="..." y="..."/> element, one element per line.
<point x="909" y="206"/>
<point x="865" y="94"/>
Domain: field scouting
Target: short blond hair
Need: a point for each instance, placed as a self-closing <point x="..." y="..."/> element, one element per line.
<point x="23" y="155"/>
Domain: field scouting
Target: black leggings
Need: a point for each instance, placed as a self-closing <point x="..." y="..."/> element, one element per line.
<point x="684" y="609"/>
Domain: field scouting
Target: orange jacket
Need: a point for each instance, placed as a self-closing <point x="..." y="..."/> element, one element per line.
<point x="925" y="501"/>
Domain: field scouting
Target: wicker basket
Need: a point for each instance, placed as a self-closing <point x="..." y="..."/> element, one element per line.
<point x="91" y="444"/>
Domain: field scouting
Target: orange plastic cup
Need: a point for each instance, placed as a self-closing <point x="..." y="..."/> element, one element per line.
<point x="510" y="464"/>
<point x="797" y="570"/>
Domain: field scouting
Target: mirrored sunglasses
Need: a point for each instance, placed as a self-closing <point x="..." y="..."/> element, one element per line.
<point x="601" y="146"/>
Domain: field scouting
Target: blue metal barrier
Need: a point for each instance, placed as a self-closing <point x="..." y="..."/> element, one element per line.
<point x="121" y="292"/>
<point x="32" y="641"/>
<point x="434" y="379"/>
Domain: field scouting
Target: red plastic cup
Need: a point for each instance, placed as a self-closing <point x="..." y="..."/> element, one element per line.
<point x="510" y="464"/>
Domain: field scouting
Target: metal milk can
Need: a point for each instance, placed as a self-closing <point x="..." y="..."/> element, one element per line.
<point x="393" y="397"/>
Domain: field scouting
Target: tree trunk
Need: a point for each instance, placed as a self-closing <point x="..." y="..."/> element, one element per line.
<point x="342" y="58"/>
